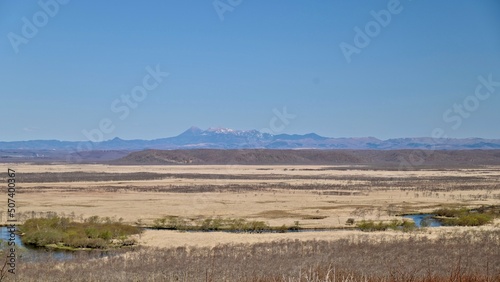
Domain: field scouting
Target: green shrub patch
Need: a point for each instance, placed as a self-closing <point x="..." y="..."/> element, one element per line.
<point x="219" y="224"/>
<point x="467" y="217"/>
<point x="62" y="232"/>
<point x="370" y="225"/>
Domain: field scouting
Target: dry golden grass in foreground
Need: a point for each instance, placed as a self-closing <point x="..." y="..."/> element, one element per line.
<point x="175" y="239"/>
<point x="316" y="196"/>
<point x="469" y="256"/>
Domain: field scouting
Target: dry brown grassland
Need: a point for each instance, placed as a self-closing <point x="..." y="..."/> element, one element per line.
<point x="313" y="196"/>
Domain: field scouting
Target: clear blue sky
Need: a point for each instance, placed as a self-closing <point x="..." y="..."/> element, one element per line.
<point x="233" y="71"/>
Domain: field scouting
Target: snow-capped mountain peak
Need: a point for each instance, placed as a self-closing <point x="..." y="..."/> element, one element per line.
<point x="222" y="130"/>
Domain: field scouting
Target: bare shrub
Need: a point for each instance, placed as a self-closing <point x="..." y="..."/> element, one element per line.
<point x="471" y="256"/>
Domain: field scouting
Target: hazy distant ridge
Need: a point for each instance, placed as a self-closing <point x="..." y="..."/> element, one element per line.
<point x="223" y="138"/>
<point x="392" y="158"/>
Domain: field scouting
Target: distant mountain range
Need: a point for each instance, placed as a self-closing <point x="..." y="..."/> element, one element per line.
<point x="224" y="138"/>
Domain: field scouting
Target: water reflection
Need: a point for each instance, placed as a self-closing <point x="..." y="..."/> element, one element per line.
<point x="424" y="220"/>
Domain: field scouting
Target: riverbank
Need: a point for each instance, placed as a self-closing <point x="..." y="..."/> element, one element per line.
<point x="173" y="239"/>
